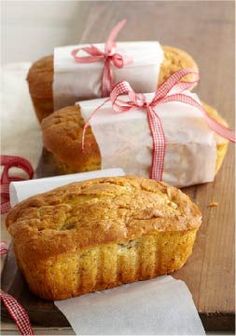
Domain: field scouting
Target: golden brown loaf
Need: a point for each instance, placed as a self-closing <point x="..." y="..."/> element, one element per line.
<point x="62" y="135"/>
<point x="40" y="77"/>
<point x="101" y="233"/>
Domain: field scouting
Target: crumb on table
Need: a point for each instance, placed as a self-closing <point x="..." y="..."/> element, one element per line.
<point x="213" y="205"/>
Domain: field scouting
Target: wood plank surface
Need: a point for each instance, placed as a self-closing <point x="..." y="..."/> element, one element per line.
<point x="206" y="30"/>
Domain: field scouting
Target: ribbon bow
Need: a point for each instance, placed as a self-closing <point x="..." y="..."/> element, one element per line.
<point x="171" y="90"/>
<point x="9" y="162"/>
<point x="108" y="56"/>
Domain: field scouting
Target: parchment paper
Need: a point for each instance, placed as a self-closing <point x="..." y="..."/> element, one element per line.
<point x="162" y="306"/>
<point x="21" y="190"/>
<point x="125" y="141"/>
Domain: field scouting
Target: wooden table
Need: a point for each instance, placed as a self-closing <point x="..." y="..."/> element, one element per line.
<point x="205" y="30"/>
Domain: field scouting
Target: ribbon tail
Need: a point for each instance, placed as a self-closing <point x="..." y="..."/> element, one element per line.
<point x="113" y="34"/>
<point x="174" y="81"/>
<point x="215" y="126"/>
<point x="17" y="313"/>
<point x="107" y="79"/>
<point x="159" y="144"/>
<point x="88" y="121"/>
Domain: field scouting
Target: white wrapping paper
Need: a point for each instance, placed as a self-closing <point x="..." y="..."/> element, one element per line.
<point x="75" y="81"/>
<point x="161" y="306"/>
<point x="21" y="190"/>
<point x="125" y="141"/>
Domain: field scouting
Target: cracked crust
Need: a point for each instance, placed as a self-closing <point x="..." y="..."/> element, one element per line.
<point x="62" y="134"/>
<point x="100" y="233"/>
<point x="102" y="211"/>
<point x="40" y="77"/>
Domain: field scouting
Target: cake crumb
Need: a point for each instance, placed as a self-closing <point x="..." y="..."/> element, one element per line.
<point x="213" y="205"/>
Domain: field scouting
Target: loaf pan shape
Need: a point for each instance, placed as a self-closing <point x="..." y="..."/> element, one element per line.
<point x="101" y="233"/>
<point x="62" y="137"/>
<point x="40" y="77"/>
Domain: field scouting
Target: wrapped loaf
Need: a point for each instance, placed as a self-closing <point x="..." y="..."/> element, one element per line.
<point x="101" y="233"/>
<point x="41" y="79"/>
<point x="124" y="140"/>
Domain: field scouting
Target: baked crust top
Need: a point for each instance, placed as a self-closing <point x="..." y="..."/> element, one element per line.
<point x="100" y="211"/>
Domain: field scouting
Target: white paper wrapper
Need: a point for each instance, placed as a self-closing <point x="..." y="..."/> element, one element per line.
<point x="75" y="81"/>
<point x="125" y="141"/>
<point x="23" y="189"/>
<point x="162" y="306"/>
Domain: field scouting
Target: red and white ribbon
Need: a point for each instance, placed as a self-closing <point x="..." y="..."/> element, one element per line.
<point x="109" y="56"/>
<point x="17" y="313"/>
<point x="15" y="310"/>
<point x="3" y="248"/>
<point x="171" y="90"/>
<point x="9" y="162"/>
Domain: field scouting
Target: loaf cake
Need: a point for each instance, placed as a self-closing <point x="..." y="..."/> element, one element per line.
<point x="101" y="233"/>
<point x="40" y="77"/>
<point x="62" y="136"/>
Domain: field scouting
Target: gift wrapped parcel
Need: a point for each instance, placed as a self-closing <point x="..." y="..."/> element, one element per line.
<point x="125" y="140"/>
<point x="75" y="79"/>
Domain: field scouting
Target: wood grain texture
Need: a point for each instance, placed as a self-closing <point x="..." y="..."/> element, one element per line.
<point x="206" y="30"/>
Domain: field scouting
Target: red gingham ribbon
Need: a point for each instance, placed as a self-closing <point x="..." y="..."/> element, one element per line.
<point x="3" y="248"/>
<point x="109" y="56"/>
<point x="9" y="162"/>
<point x="17" y="313"/>
<point x="171" y="90"/>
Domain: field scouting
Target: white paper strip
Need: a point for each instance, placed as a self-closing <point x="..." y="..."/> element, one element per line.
<point x="74" y="81"/>
<point x="161" y="306"/>
<point x="23" y="189"/>
<point x="125" y="141"/>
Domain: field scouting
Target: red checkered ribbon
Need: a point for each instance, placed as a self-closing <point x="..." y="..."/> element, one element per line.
<point x="109" y="56"/>
<point x="3" y="248"/>
<point x="171" y="90"/>
<point x="17" y="313"/>
<point x="11" y="162"/>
